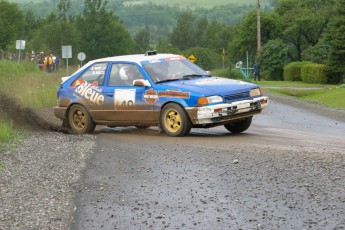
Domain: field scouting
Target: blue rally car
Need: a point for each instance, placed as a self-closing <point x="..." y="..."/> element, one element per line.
<point x="151" y="89"/>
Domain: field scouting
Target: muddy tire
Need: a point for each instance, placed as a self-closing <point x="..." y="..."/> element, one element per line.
<point x="80" y="120"/>
<point x="240" y="126"/>
<point x="175" y="121"/>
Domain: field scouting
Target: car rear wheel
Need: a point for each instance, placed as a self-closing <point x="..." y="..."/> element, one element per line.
<point x="80" y="120"/>
<point x="240" y="126"/>
<point x="175" y="121"/>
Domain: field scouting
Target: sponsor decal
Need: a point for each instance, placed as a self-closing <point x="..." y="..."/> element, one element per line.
<point x="90" y="93"/>
<point x="175" y="58"/>
<point x="151" y="95"/>
<point x="124" y="99"/>
<point x="173" y="93"/>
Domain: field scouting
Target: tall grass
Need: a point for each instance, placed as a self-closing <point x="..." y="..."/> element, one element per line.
<point x="30" y="86"/>
<point x="9" y="137"/>
<point x="6" y="131"/>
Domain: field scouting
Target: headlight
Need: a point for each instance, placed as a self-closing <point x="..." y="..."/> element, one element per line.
<point x="255" y="92"/>
<point x="209" y="100"/>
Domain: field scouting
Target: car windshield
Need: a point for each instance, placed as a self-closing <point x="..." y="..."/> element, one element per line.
<point x="164" y="70"/>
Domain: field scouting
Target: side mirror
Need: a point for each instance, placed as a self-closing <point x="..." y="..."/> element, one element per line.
<point x="141" y="82"/>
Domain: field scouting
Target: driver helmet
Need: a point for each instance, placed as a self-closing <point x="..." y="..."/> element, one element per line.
<point x="127" y="69"/>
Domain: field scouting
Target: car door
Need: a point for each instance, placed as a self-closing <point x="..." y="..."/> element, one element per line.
<point x="124" y="103"/>
<point x="88" y="88"/>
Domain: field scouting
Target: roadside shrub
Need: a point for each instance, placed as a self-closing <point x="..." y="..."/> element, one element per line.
<point x="228" y="73"/>
<point x="292" y="71"/>
<point x="314" y="73"/>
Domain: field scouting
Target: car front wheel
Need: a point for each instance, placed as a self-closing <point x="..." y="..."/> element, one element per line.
<point x="239" y="126"/>
<point x="175" y="121"/>
<point x="80" y="120"/>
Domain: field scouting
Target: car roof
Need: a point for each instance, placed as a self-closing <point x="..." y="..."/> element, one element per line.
<point x="138" y="58"/>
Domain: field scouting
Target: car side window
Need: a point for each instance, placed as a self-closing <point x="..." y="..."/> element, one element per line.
<point x="124" y="74"/>
<point x="94" y="75"/>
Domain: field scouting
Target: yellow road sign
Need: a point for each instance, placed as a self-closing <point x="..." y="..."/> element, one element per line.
<point x="192" y="58"/>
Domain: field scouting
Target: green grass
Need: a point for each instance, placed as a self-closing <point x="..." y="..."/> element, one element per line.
<point x="297" y="84"/>
<point x="329" y="95"/>
<point x="9" y="137"/>
<point x="6" y="131"/>
<point x="30" y="86"/>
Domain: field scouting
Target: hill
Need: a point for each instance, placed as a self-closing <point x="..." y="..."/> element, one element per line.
<point x="179" y="3"/>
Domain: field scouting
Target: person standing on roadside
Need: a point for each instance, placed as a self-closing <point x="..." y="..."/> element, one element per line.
<point x="57" y="63"/>
<point x="256" y="72"/>
<point x="48" y="61"/>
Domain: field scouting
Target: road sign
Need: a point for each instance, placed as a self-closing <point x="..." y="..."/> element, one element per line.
<point x="81" y="56"/>
<point x="192" y="58"/>
<point x="20" y="44"/>
<point x="66" y="51"/>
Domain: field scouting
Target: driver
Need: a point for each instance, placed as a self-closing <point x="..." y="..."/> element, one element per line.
<point x="158" y="71"/>
<point x="128" y="74"/>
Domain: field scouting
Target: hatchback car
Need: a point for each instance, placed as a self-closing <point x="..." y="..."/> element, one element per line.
<point x="151" y="89"/>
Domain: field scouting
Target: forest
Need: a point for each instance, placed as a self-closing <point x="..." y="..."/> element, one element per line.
<point x="291" y="31"/>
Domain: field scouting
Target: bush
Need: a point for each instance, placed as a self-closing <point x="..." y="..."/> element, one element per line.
<point x="228" y="73"/>
<point x="314" y="73"/>
<point x="292" y="71"/>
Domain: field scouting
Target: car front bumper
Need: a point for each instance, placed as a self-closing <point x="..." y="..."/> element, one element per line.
<point x="219" y="113"/>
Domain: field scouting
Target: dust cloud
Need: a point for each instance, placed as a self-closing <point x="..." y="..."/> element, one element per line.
<point x="27" y="118"/>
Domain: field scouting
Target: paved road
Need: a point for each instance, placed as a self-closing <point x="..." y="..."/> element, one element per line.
<point x="285" y="172"/>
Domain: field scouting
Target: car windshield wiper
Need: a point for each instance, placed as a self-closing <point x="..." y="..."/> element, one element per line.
<point x="167" y="80"/>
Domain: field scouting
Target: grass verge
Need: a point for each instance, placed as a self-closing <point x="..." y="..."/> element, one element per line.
<point x="9" y="137"/>
<point x="329" y="95"/>
<point x="31" y="88"/>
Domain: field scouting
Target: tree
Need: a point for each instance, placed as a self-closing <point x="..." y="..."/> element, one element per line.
<point x="336" y="38"/>
<point x="103" y="34"/>
<point x="142" y="41"/>
<point x="245" y="38"/>
<point x="303" y="23"/>
<point x="272" y="59"/>
<point x="11" y="24"/>
<point x="205" y="57"/>
<point x="182" y="35"/>
<point x="52" y="36"/>
<point x="201" y="26"/>
<point x="64" y="6"/>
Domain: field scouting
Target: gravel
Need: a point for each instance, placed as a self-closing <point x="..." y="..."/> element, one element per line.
<point x="39" y="179"/>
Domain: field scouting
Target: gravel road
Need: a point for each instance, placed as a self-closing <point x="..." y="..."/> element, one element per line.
<point x="41" y="178"/>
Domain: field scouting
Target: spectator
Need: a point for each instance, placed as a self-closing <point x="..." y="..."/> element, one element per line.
<point x="57" y="63"/>
<point x="256" y="72"/>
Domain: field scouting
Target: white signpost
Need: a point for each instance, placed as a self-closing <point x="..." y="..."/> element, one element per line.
<point x="81" y="58"/>
<point x="20" y="45"/>
<point x="67" y="53"/>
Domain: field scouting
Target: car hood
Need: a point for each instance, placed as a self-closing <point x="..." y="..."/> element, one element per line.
<point x="210" y="86"/>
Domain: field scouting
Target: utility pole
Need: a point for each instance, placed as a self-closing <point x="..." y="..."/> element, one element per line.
<point x="258" y="25"/>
